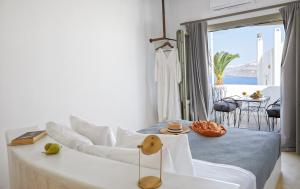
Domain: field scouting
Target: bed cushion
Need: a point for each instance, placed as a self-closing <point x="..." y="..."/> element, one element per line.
<point x="99" y="135"/>
<point x="130" y="155"/>
<point x="178" y="146"/>
<point x="66" y="136"/>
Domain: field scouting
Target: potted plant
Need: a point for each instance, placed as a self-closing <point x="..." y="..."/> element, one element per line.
<point x="221" y="61"/>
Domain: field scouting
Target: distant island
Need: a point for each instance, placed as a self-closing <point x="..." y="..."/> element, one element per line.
<point x="244" y="74"/>
<point x="241" y="70"/>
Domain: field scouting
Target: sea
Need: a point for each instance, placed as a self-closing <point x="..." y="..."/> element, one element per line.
<point x="240" y="80"/>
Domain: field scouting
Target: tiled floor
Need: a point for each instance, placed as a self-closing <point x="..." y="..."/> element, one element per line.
<point x="290" y="169"/>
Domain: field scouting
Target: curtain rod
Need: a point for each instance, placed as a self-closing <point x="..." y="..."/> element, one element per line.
<point x="241" y="12"/>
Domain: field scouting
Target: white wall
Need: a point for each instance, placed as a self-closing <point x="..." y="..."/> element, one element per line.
<point x="189" y="10"/>
<point x="89" y="58"/>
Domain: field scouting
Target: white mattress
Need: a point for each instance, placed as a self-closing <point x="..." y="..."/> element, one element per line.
<point x="227" y="173"/>
<point x="236" y="175"/>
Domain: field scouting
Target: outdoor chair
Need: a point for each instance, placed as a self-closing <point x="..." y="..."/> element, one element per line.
<point x="226" y="105"/>
<point x="273" y="111"/>
<point x="223" y="104"/>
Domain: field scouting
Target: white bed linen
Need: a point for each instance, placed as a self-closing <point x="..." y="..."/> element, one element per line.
<point x="227" y="173"/>
<point x="70" y="169"/>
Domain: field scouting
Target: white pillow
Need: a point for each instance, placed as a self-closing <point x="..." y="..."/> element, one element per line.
<point x="99" y="135"/>
<point x="66" y="136"/>
<point x="130" y="155"/>
<point x="178" y="146"/>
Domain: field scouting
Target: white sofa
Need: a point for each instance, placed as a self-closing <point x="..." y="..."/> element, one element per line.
<point x="70" y="169"/>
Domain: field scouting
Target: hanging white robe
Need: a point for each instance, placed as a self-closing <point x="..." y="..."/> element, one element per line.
<point x="168" y="77"/>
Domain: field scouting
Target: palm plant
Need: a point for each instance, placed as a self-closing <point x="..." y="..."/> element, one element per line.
<point x="221" y="61"/>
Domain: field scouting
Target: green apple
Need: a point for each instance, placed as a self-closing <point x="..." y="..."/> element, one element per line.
<point x="52" y="149"/>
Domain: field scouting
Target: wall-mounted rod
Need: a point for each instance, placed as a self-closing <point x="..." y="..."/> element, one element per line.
<point x="164" y="18"/>
<point x="164" y="37"/>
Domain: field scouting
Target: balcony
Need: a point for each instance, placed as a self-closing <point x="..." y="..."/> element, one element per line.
<point x="237" y="90"/>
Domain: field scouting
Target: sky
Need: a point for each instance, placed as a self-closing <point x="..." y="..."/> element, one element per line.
<point x="243" y="41"/>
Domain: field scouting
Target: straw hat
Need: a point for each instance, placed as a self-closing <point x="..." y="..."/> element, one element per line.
<point x="174" y="128"/>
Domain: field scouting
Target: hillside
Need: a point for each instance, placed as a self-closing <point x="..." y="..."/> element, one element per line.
<point x="242" y="70"/>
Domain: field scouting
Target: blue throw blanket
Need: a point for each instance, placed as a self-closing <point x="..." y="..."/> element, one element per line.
<point x="255" y="151"/>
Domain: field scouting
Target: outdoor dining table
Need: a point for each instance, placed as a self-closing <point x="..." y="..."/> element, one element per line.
<point x="252" y="104"/>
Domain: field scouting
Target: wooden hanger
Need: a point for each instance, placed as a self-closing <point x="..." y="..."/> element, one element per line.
<point x="167" y="43"/>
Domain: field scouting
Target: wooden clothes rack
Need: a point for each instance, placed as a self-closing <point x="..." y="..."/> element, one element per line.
<point x="164" y="37"/>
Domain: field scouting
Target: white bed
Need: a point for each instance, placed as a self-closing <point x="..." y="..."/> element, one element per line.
<point x="252" y="154"/>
